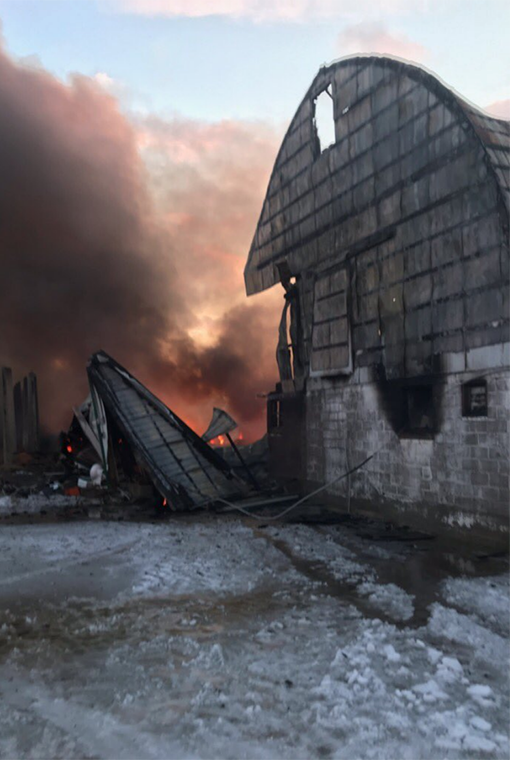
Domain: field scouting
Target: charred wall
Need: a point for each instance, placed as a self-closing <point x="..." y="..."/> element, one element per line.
<point x="406" y="201"/>
<point x="397" y="235"/>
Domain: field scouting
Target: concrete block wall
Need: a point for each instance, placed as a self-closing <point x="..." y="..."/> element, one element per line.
<point x="459" y="479"/>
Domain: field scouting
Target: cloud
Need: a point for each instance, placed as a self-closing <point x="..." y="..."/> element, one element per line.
<point x="500" y="109"/>
<point x="130" y="237"/>
<point x="106" y="82"/>
<point x="275" y="10"/>
<point x="375" y="38"/>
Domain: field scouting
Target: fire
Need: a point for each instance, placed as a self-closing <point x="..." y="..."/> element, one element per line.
<point x="165" y="502"/>
<point x="221" y="440"/>
<point x="218" y="441"/>
<point x="69" y="448"/>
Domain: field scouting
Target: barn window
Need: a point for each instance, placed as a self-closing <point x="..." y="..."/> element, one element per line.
<point x="331" y="333"/>
<point x="474" y="399"/>
<point x="324" y="119"/>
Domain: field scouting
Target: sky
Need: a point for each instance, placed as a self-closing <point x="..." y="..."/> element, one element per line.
<point x="253" y="59"/>
<point x="139" y="136"/>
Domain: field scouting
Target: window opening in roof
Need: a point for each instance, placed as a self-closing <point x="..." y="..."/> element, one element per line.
<point x="324" y="119"/>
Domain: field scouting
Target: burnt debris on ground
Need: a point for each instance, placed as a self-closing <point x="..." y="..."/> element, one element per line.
<point x="125" y="447"/>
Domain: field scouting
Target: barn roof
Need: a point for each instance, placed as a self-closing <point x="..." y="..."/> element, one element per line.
<point x="182" y="466"/>
<point x="493" y="135"/>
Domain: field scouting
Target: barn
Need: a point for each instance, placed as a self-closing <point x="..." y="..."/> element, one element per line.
<point x="386" y="221"/>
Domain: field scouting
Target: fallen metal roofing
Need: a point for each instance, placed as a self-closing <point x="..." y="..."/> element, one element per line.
<point x="183" y="467"/>
<point x="85" y="417"/>
<point x="221" y="423"/>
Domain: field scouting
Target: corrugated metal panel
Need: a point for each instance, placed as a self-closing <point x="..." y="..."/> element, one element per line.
<point x="221" y="424"/>
<point x="184" y="468"/>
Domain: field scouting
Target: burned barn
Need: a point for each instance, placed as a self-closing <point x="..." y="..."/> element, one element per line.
<point x="387" y="226"/>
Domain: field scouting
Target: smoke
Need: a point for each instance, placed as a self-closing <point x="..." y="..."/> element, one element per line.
<point x="129" y="237"/>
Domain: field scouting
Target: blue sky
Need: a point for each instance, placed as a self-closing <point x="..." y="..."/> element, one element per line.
<point x="225" y="66"/>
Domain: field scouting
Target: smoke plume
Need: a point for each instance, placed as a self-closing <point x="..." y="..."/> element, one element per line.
<point x="131" y="237"/>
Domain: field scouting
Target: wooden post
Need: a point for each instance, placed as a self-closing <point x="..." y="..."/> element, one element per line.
<point x="9" y="424"/>
<point x="25" y="444"/>
<point x="32" y="414"/>
<point x="19" y="416"/>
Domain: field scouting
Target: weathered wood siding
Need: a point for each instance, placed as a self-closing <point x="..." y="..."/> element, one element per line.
<point x="411" y="201"/>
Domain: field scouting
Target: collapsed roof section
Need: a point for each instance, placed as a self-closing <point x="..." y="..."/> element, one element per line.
<point x="221" y="424"/>
<point x="182" y="466"/>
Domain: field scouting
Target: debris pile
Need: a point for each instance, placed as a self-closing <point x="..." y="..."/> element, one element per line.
<point x="125" y="445"/>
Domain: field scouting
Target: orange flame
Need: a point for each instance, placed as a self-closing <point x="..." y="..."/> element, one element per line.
<point x="69" y="449"/>
<point x="165" y="502"/>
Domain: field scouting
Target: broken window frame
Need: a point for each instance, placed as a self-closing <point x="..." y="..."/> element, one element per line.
<point x="319" y="130"/>
<point x="468" y="409"/>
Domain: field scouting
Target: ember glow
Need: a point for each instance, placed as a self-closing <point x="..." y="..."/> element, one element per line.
<point x="131" y="236"/>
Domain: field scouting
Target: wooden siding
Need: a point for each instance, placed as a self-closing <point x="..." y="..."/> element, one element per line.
<point x="413" y="197"/>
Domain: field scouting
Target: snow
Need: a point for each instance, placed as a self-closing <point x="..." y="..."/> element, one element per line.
<point x="208" y="637"/>
<point x="481" y="597"/>
<point x="390" y="598"/>
<point x="33" y="504"/>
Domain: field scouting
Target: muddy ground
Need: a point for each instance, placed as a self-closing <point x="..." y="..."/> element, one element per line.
<point x="212" y="636"/>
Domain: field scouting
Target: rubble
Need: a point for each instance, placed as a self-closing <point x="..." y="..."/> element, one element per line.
<point x="125" y="450"/>
<point x="143" y="437"/>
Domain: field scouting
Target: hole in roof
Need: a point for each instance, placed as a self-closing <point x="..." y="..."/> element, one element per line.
<point x="324" y="119"/>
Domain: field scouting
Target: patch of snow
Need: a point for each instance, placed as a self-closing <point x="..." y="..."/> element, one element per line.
<point x="34" y="503"/>
<point x="486" y="598"/>
<point x="388" y="598"/>
<point x="474" y="743"/>
<point x="462" y="629"/>
<point x="312" y="544"/>
<point x="480" y="724"/>
<point x="390" y="653"/>
<point x="430" y="691"/>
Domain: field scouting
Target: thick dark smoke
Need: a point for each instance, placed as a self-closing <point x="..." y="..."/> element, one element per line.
<point x="94" y="255"/>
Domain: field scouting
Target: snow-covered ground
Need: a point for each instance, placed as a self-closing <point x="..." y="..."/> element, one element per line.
<point x="213" y="638"/>
<point x="36" y="503"/>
